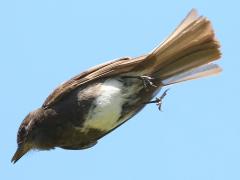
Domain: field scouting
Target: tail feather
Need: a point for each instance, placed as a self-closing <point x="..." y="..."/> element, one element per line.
<point x="186" y="62"/>
<point x="191" y="45"/>
<point x="199" y="72"/>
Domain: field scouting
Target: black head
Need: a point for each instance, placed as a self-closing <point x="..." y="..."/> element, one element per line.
<point x="26" y="133"/>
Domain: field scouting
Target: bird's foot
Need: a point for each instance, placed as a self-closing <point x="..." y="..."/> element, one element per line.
<point x="159" y="100"/>
<point x="146" y="80"/>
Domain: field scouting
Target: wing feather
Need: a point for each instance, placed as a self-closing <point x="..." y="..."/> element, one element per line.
<point x="111" y="68"/>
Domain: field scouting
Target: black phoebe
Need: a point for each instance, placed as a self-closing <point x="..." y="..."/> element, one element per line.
<point x="90" y="105"/>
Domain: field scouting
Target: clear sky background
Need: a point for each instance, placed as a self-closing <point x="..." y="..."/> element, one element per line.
<point x="43" y="43"/>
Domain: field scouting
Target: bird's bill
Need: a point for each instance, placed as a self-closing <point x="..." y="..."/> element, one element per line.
<point x="21" y="150"/>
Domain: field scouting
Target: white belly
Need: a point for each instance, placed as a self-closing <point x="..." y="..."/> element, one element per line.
<point x="108" y="107"/>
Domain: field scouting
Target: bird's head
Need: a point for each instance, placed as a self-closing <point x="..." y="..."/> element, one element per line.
<point x="27" y="133"/>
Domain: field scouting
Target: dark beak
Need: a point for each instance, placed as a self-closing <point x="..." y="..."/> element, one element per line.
<point x="19" y="153"/>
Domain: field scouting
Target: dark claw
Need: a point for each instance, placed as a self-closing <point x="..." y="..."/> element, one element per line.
<point x="159" y="100"/>
<point x="147" y="81"/>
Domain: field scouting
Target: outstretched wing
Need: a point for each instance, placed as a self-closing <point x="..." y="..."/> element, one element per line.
<point x="119" y="66"/>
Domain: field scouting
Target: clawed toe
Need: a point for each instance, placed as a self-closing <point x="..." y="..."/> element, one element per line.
<point x="147" y="81"/>
<point x="159" y="100"/>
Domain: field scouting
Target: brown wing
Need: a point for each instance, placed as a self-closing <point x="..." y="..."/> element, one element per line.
<point x="190" y="46"/>
<point x="116" y="67"/>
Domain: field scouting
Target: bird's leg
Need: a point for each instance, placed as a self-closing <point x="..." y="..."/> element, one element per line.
<point x="159" y="100"/>
<point x="146" y="80"/>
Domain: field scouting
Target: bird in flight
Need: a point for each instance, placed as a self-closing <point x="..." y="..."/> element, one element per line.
<point x="92" y="104"/>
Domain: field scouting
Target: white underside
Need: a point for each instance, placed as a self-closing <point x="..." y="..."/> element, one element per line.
<point x="105" y="115"/>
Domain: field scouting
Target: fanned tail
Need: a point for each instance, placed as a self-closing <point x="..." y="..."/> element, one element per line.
<point x="187" y="53"/>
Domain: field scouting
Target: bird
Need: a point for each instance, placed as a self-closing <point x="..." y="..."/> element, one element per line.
<point x="92" y="104"/>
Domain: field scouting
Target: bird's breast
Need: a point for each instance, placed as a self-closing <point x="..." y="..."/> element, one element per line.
<point x="105" y="112"/>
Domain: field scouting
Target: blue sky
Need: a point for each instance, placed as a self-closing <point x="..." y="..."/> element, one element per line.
<point x="44" y="43"/>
